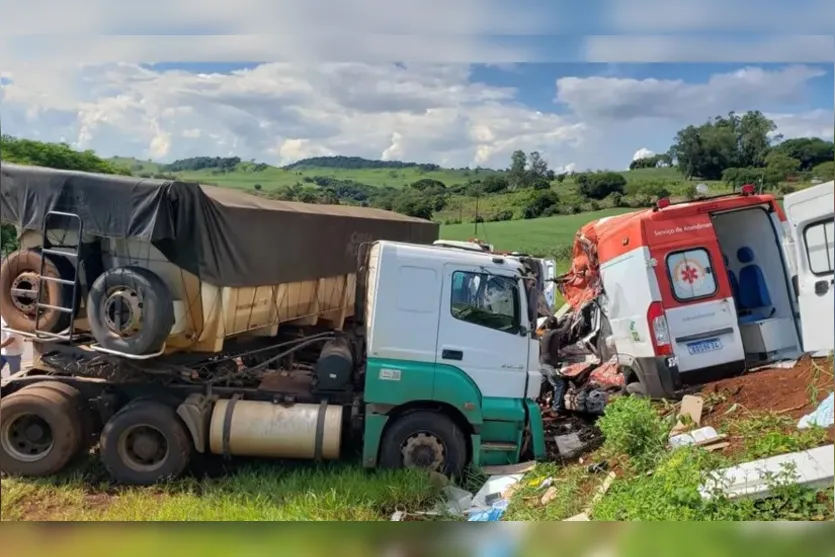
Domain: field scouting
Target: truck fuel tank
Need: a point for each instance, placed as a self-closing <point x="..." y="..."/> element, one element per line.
<point x="264" y="429"/>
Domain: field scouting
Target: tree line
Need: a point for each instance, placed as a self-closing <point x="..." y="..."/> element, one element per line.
<point x="746" y="148"/>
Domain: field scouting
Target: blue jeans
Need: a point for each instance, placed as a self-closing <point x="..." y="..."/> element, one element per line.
<point x="13" y="361"/>
<point x="559" y="384"/>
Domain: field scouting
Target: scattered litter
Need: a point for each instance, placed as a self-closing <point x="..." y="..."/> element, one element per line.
<point x="690" y="413"/>
<point x="823" y="416"/>
<point x="499" y="485"/>
<point x="783" y="364"/>
<point x="549" y="495"/>
<point x="598" y="468"/>
<point x="398" y="516"/>
<point x="814" y="468"/>
<point x="716" y="446"/>
<point x="545" y="483"/>
<point x="598" y="495"/>
<point x="520" y="468"/>
<point x="569" y="445"/>
<point x="457" y="499"/>
<point x="492" y="514"/>
<point x="701" y="436"/>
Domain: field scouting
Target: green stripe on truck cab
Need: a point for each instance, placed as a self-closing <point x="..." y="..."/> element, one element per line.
<point x="498" y="423"/>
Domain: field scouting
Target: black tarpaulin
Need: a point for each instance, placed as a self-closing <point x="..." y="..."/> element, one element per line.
<point x="225" y="237"/>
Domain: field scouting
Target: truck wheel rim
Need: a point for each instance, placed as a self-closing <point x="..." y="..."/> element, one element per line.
<point x="27" y="437"/>
<point x="123" y="311"/>
<point x="423" y="450"/>
<point x="143" y="448"/>
<point x="25" y="303"/>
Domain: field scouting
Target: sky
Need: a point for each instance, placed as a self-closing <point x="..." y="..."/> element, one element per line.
<point x="453" y="82"/>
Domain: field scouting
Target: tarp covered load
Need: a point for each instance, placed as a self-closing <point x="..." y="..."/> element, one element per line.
<point x="225" y="237"/>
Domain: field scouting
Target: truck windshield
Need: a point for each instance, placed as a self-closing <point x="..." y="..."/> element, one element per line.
<point x="487" y="300"/>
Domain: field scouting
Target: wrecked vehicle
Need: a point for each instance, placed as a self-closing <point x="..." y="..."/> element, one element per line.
<point x="686" y="293"/>
<point x="405" y="353"/>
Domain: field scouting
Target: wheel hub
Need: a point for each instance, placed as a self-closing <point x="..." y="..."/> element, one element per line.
<point x="123" y="312"/>
<point x="143" y="448"/>
<point x="423" y="451"/>
<point x="28" y="437"/>
<point x="25" y="292"/>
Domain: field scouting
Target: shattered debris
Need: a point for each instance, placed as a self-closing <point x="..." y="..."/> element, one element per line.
<point x="690" y="413"/>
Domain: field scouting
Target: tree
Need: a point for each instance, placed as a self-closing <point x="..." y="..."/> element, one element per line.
<point x="541" y="185"/>
<point x="518" y="168"/>
<point x="537" y="167"/>
<point x="428" y="184"/>
<point x="781" y="166"/>
<point x="724" y="142"/>
<point x="414" y="206"/>
<point x="810" y="151"/>
<point x="52" y="155"/>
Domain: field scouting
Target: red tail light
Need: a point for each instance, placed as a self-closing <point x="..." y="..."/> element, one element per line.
<point x="749" y="189"/>
<point x="658" y="330"/>
<point x="663" y="202"/>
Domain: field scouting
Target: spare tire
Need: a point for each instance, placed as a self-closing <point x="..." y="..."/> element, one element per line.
<point x="20" y="271"/>
<point x="130" y="310"/>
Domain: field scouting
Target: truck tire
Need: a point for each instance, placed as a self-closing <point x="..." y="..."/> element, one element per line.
<point x="424" y="439"/>
<point x="20" y="271"/>
<point x="39" y="432"/>
<point x="130" y="310"/>
<point x="145" y="443"/>
<point x="85" y="417"/>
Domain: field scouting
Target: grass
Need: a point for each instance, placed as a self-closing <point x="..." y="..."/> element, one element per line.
<point x="654" y="483"/>
<point x="543" y="236"/>
<point x="260" y="491"/>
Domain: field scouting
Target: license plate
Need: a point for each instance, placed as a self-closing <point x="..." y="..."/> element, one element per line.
<point x="704" y="346"/>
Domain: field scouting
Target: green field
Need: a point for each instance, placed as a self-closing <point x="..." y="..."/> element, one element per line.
<point x="550" y="236"/>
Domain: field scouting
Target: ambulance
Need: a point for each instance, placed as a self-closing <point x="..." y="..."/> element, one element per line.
<point x="686" y="293"/>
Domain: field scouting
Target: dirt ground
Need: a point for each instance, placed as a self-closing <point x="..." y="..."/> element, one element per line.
<point x="792" y="392"/>
<point x="795" y="391"/>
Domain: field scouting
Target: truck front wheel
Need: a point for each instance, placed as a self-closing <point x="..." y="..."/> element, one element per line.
<point x="145" y="443"/>
<point x="424" y="439"/>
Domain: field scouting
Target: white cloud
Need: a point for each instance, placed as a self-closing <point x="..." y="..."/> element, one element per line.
<point x="626" y="98"/>
<point x="700" y="48"/>
<point x="282" y="112"/>
<point x="739" y="16"/>
<point x="643" y="153"/>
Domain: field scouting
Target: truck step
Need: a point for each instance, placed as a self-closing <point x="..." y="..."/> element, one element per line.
<point x="499" y="447"/>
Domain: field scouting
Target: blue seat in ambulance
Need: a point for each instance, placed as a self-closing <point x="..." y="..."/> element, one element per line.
<point x="732" y="280"/>
<point x="754" y="299"/>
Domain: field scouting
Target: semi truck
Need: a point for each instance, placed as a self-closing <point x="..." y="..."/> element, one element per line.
<point x="162" y="332"/>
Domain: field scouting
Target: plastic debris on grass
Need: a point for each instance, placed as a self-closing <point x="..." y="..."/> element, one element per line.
<point x="823" y="416"/>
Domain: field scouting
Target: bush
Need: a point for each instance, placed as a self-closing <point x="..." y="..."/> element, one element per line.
<point x="572" y="209"/>
<point x="593" y="206"/>
<point x="631" y="427"/>
<point x="257" y="187"/>
<point x="824" y="171"/>
<point x="600" y="184"/>
<point x="690" y="192"/>
<point x="616" y="199"/>
<point x="541" y="185"/>
<point x="649" y="188"/>
<point x="503" y="215"/>
<point x="495" y="184"/>
<point x="538" y="203"/>
<point x="551" y="211"/>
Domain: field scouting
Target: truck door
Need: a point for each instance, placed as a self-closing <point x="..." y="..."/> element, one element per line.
<point x="812" y="221"/>
<point x="696" y="294"/>
<point x="480" y="331"/>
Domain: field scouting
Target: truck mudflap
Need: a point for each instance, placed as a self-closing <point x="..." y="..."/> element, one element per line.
<point x="658" y="376"/>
